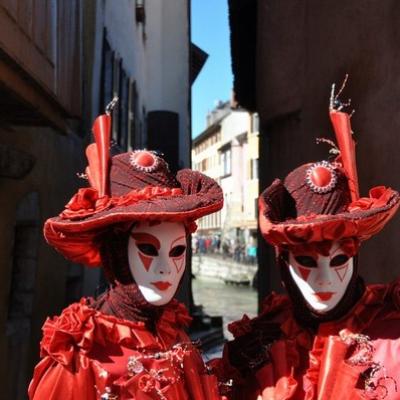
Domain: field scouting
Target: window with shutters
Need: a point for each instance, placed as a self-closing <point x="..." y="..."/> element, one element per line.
<point x="123" y="110"/>
<point x="117" y="65"/>
<point x="107" y="73"/>
<point x="133" y="115"/>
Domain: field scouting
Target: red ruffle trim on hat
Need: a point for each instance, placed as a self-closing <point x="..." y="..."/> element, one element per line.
<point x="76" y="232"/>
<point x="363" y="219"/>
<point x="87" y="201"/>
<point x="379" y="196"/>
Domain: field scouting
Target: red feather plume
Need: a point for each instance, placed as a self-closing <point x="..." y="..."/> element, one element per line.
<point x="98" y="155"/>
<point x="344" y="137"/>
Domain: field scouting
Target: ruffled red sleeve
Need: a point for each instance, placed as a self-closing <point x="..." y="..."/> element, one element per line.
<point x="66" y="370"/>
<point x="53" y="381"/>
<point x="79" y="327"/>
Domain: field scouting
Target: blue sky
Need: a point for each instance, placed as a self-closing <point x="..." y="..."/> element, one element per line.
<point x="210" y="31"/>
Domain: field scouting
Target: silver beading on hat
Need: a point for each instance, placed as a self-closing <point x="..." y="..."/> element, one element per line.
<point x="133" y="159"/>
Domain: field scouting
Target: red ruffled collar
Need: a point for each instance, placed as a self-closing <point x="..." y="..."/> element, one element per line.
<point x="278" y="308"/>
<point x="79" y="327"/>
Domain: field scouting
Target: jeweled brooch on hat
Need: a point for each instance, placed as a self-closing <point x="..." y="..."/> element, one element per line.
<point x="144" y="160"/>
<point x="321" y="177"/>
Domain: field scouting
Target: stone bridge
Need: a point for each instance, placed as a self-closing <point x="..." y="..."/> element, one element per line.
<point x="225" y="269"/>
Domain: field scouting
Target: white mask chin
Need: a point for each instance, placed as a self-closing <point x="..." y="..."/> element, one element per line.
<point x="322" y="281"/>
<point x="157" y="259"/>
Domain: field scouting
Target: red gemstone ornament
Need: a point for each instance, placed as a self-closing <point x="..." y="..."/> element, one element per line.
<point x="144" y="160"/>
<point x="321" y="177"/>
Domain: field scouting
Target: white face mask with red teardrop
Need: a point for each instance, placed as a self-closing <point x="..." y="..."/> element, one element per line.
<point x="157" y="259"/>
<point x="322" y="280"/>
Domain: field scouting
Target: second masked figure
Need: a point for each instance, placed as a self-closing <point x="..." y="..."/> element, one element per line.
<point x="331" y="337"/>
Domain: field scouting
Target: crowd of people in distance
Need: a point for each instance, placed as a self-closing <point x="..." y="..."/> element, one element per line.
<point x="235" y="249"/>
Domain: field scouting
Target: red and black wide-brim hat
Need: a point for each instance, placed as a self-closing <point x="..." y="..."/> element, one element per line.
<point x="320" y="201"/>
<point x="291" y="216"/>
<point x="130" y="187"/>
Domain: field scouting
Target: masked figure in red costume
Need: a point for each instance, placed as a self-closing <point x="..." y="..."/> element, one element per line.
<point x="331" y="337"/>
<point x="130" y="343"/>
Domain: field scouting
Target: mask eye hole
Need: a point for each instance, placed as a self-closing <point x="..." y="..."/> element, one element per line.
<point x="148" y="249"/>
<point x="177" y="251"/>
<point x="306" y="261"/>
<point x="339" y="260"/>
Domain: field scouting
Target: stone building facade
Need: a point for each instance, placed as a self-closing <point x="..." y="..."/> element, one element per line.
<point x="61" y="62"/>
<point x="227" y="150"/>
<point x="286" y="55"/>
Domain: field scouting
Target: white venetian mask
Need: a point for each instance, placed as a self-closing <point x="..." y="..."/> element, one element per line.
<point x="157" y="259"/>
<point x="322" y="280"/>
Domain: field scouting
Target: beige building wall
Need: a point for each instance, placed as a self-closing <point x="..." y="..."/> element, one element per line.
<point x="228" y="152"/>
<point x="252" y="184"/>
<point x="206" y="159"/>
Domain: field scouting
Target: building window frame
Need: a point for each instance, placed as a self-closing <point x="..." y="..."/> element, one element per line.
<point x="226" y="162"/>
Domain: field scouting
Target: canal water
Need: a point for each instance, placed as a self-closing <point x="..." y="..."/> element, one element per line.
<point x="228" y="301"/>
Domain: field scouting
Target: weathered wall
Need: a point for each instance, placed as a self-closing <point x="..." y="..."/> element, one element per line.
<point x="39" y="287"/>
<point x="303" y="47"/>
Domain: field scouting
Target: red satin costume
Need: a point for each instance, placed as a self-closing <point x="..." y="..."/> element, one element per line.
<point x="325" y="365"/>
<point x="86" y="353"/>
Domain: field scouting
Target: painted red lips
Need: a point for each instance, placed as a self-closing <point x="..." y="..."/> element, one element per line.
<point x="324" y="296"/>
<point x="161" y="285"/>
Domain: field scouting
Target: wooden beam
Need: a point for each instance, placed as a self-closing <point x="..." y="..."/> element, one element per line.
<point x="32" y="96"/>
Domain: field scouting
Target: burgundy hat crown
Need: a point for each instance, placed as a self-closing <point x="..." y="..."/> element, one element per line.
<point x="317" y="189"/>
<point x="137" y="170"/>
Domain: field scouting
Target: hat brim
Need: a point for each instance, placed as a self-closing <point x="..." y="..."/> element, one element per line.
<point x="316" y="228"/>
<point x="78" y="240"/>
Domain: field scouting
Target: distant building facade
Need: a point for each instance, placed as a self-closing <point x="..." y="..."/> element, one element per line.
<point x="62" y="62"/>
<point x="227" y="150"/>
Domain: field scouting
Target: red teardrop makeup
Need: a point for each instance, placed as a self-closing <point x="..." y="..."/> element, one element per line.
<point x="321" y="276"/>
<point x="148" y="246"/>
<point x="157" y="255"/>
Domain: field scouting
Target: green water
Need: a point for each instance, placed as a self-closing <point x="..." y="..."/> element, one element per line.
<point x="230" y="302"/>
